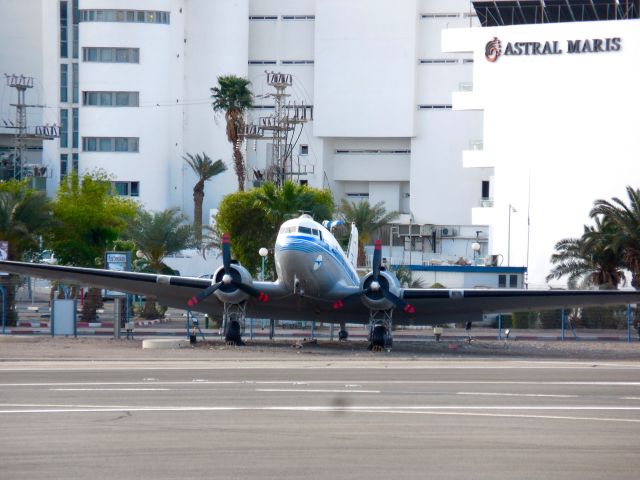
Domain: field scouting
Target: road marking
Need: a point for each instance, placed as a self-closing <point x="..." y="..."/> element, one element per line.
<point x="330" y="382"/>
<point x="474" y="411"/>
<point x="310" y="390"/>
<point x="109" y="389"/>
<point x="496" y="394"/>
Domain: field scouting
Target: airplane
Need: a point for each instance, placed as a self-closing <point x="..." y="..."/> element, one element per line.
<point x="317" y="280"/>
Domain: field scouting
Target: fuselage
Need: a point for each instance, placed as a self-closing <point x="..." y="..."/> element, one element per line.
<point x="310" y="260"/>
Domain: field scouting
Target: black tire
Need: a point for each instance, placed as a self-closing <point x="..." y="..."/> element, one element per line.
<point x="234" y="334"/>
<point x="378" y="336"/>
<point x="343" y="335"/>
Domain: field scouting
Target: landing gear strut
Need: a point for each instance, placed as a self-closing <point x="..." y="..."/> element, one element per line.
<point x="380" y="325"/>
<point x="343" y="334"/>
<point x="233" y="317"/>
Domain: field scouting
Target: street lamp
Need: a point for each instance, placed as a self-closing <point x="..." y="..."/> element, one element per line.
<point x="511" y="209"/>
<point x="475" y="246"/>
<point x="263" y="252"/>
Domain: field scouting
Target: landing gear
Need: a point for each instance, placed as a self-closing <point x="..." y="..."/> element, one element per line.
<point x="380" y="336"/>
<point x="343" y="334"/>
<point x="232" y="320"/>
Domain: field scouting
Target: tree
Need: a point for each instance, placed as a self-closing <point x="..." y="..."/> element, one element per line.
<point x="627" y="220"/>
<point x="368" y="220"/>
<point x="25" y="215"/>
<point x="205" y="169"/>
<point x="292" y="200"/>
<point x="89" y="218"/>
<point x="233" y="97"/>
<point x="253" y="218"/>
<point x="158" y="235"/>
<point x="590" y="260"/>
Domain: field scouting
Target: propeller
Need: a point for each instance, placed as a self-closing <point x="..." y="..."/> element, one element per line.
<point x="227" y="279"/>
<point x="376" y="287"/>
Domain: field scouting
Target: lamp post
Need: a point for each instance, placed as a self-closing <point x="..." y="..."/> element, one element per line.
<point x="475" y="246"/>
<point x="511" y="209"/>
<point x="263" y="252"/>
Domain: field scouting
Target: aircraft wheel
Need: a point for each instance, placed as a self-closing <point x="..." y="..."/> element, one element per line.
<point x="343" y="335"/>
<point x="378" y="337"/>
<point x="234" y="334"/>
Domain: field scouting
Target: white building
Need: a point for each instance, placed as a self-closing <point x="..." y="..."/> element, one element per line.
<point x="129" y="84"/>
<point x="558" y="104"/>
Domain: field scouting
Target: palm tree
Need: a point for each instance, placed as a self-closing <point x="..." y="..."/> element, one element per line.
<point x="233" y="97"/>
<point x="25" y="215"/>
<point x="368" y="219"/>
<point x="589" y="260"/>
<point x="281" y="204"/>
<point x="205" y="169"/>
<point x="627" y="219"/>
<point x="157" y="235"/>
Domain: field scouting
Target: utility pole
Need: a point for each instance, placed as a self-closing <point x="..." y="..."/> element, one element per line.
<point x="283" y="123"/>
<point x="21" y="135"/>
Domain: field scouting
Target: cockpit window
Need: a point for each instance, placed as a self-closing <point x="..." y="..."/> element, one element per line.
<point x="304" y="230"/>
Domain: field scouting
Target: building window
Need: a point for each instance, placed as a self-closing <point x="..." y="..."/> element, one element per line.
<point x="513" y="281"/>
<point x="485" y="189"/>
<point x="376" y="151"/>
<point x="75" y="18"/>
<point x="438" y="60"/>
<point x="75" y="162"/>
<point x="298" y="17"/>
<point x="126" y="16"/>
<point x="304" y="149"/>
<point x="64" y="69"/>
<point x="64" y="128"/>
<point x="440" y="15"/>
<point x="76" y="81"/>
<point x="502" y="281"/>
<point x="111" y="55"/>
<point x="63" y="165"/>
<point x="110" y="99"/>
<point x="74" y="135"/>
<point x="64" y="47"/>
<point x="110" y="144"/>
<point x="127" y="189"/>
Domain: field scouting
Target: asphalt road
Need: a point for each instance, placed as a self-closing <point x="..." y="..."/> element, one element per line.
<point x="291" y="418"/>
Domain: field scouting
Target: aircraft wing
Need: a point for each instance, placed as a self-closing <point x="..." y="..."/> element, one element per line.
<point x="170" y="290"/>
<point x="431" y="306"/>
<point x="447" y="305"/>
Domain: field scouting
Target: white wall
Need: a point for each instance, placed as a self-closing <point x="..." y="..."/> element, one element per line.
<point x="216" y="36"/>
<point x="563" y="122"/>
<point x="368" y="47"/>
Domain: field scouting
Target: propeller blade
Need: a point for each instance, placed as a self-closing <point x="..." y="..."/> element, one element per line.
<point x="203" y="294"/>
<point x="257" y="294"/>
<point x="226" y="252"/>
<point x="377" y="259"/>
<point x="406" y="307"/>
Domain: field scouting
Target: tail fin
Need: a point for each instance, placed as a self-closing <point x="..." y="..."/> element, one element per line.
<point x="352" y="250"/>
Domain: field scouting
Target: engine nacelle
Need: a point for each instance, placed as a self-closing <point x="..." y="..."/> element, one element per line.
<point x="375" y="299"/>
<point x="228" y="292"/>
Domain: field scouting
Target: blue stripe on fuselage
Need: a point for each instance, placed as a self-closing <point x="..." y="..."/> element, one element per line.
<point x="314" y="245"/>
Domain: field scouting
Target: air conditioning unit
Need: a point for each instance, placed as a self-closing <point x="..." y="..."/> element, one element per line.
<point x="448" y="232"/>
